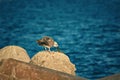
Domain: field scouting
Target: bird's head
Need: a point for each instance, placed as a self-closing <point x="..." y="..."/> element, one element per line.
<point x="55" y="44"/>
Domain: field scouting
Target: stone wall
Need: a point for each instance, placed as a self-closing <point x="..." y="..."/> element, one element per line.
<point x="11" y="69"/>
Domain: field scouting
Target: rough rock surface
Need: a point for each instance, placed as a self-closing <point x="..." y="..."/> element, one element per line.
<point x="112" y="77"/>
<point x="54" y="60"/>
<point x="11" y="69"/>
<point x="4" y="77"/>
<point x="15" y="52"/>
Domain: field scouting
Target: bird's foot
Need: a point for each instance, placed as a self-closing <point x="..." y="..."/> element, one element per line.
<point x="51" y="52"/>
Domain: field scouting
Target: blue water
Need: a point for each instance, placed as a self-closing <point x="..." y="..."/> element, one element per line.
<point x="88" y="31"/>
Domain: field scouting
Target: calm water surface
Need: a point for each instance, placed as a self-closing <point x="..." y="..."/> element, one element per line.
<point x="88" y="31"/>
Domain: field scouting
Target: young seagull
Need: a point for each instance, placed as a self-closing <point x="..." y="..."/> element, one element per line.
<point x="48" y="42"/>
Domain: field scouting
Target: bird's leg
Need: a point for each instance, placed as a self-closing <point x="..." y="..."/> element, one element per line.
<point x="45" y="49"/>
<point x="49" y="49"/>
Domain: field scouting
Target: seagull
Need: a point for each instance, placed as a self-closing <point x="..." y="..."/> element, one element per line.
<point x="48" y="42"/>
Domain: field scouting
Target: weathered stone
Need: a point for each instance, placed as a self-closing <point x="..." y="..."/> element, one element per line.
<point x="54" y="60"/>
<point x="112" y="77"/>
<point x="17" y="70"/>
<point x="14" y="52"/>
<point x="4" y="77"/>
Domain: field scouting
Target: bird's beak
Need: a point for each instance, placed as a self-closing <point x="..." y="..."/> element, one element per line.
<point x="58" y="49"/>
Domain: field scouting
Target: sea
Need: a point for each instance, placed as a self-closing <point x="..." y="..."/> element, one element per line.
<point x="87" y="31"/>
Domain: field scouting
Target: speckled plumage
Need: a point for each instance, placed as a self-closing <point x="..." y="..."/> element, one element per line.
<point x="47" y="42"/>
